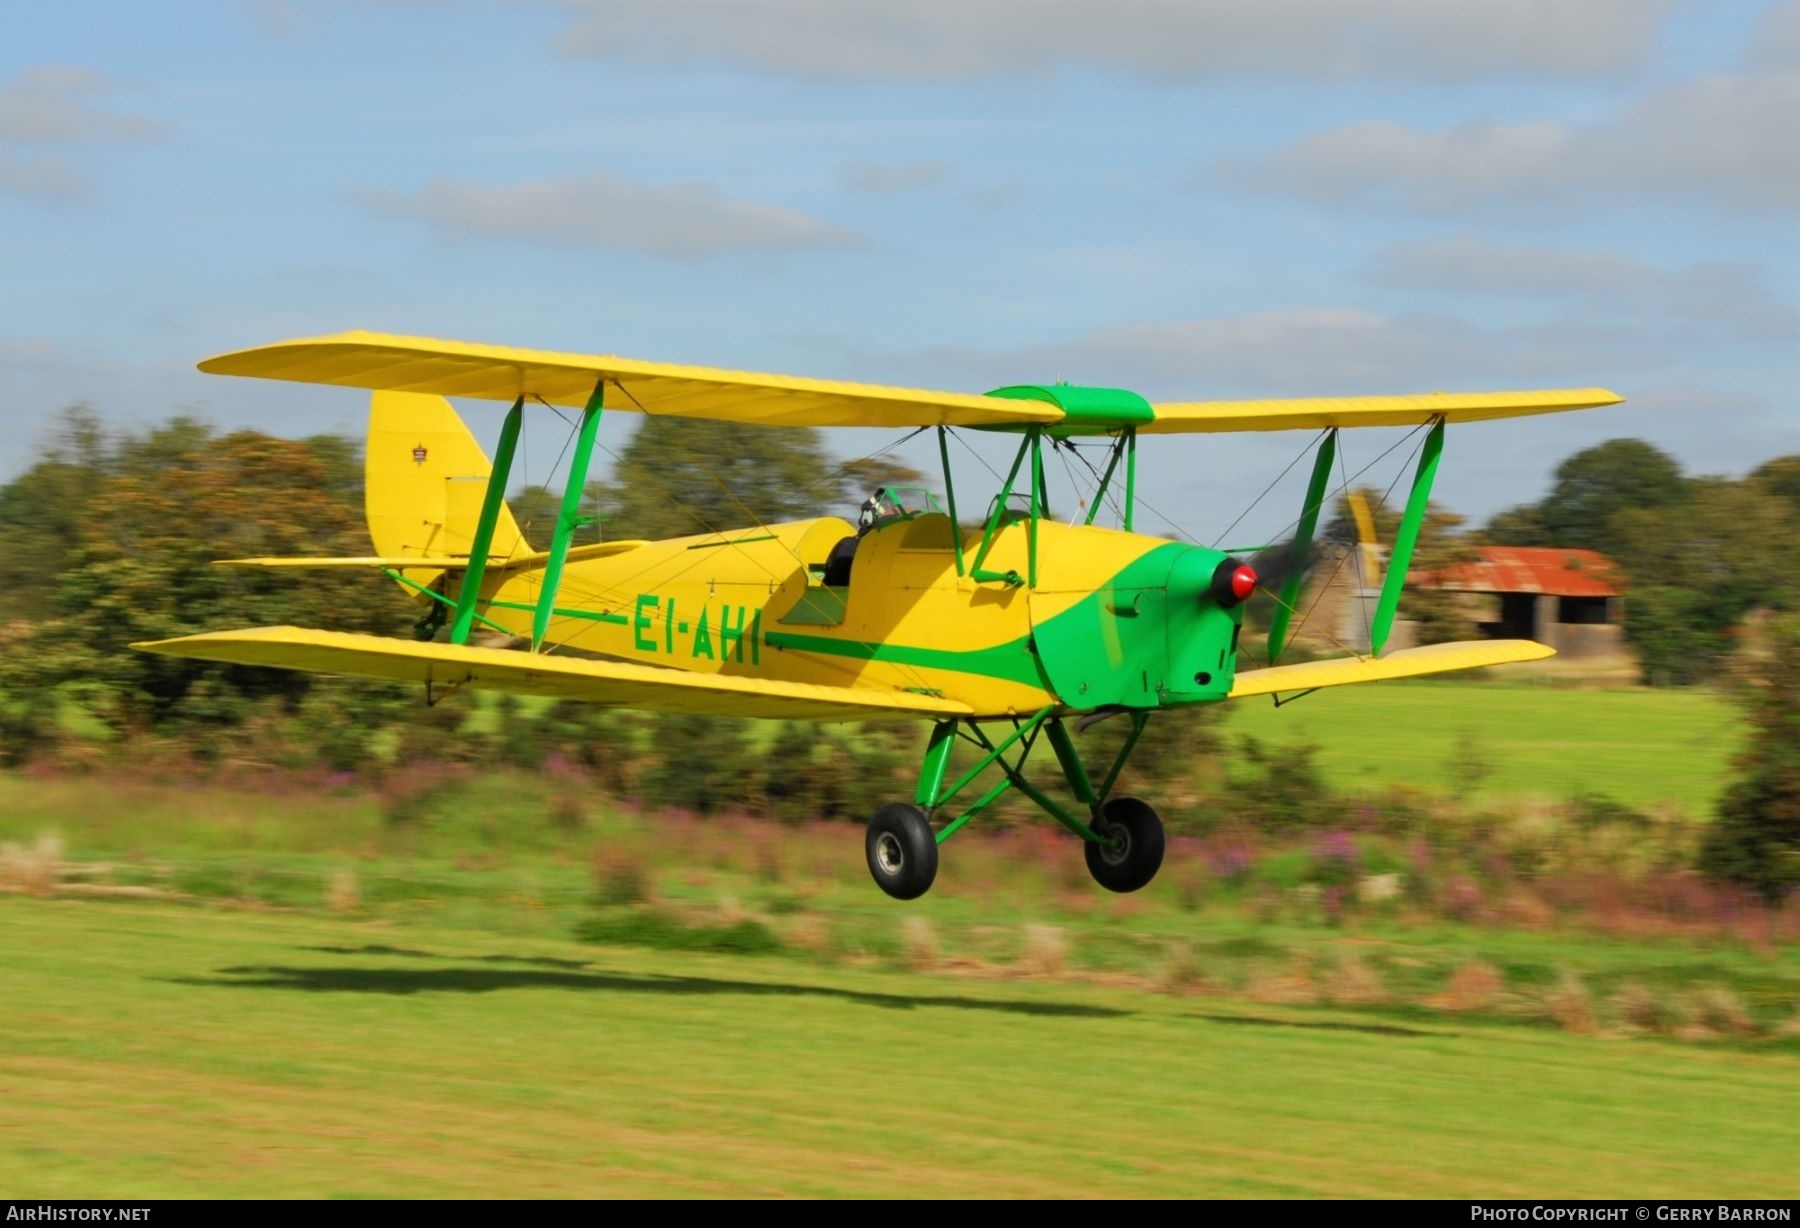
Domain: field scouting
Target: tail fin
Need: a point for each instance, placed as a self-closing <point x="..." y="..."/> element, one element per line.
<point x="424" y="476"/>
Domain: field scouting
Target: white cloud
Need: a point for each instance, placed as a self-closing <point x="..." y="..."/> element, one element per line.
<point x="891" y="178"/>
<point x="937" y="40"/>
<point x="32" y="352"/>
<point x="43" y="376"/>
<point x="1710" y="429"/>
<point x="44" y="177"/>
<point x="1720" y="140"/>
<point x="1733" y="297"/>
<point x="1776" y="41"/>
<point x="995" y="197"/>
<point x="684" y="221"/>
<point x="1318" y="351"/>
<point x="285" y="21"/>
<point x="55" y="105"/>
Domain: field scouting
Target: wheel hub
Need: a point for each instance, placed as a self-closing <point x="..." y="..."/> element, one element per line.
<point x="889" y="855"/>
<point x="1115" y="843"/>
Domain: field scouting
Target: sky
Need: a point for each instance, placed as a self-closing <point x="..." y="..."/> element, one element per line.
<point x="1196" y="199"/>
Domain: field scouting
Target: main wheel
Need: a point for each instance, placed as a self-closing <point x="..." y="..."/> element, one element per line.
<point x="1133" y="849"/>
<point x="902" y="850"/>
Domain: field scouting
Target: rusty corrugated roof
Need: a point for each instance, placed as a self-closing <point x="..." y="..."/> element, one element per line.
<point x="1533" y="569"/>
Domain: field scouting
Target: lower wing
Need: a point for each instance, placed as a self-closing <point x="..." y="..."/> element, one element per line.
<point x="1407" y="663"/>
<point x="614" y="684"/>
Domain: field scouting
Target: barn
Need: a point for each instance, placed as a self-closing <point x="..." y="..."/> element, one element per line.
<point x="1572" y="600"/>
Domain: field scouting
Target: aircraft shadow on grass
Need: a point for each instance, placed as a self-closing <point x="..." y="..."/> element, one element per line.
<point x="533" y="961"/>
<point x="1323" y="1025"/>
<point x="546" y="973"/>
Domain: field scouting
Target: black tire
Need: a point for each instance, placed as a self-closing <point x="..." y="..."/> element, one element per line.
<point x="1134" y="851"/>
<point x="902" y="851"/>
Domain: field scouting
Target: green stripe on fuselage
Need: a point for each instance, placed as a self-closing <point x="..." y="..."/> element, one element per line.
<point x="593" y="616"/>
<point x="1011" y="662"/>
<point x="1015" y="660"/>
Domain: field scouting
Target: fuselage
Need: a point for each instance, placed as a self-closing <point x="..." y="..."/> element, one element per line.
<point x="1115" y="619"/>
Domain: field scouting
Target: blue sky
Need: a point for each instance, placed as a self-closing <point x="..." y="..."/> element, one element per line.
<point x="1194" y="198"/>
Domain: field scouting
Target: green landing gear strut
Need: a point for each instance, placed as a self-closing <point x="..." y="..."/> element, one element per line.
<point x="1122" y="836"/>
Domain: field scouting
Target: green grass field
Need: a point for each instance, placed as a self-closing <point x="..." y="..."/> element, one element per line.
<point x="160" y="1051"/>
<point x="332" y="995"/>
<point x="1641" y="747"/>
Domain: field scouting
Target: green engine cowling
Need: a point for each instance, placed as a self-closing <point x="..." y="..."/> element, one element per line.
<point x="1161" y="633"/>
<point x="1203" y="617"/>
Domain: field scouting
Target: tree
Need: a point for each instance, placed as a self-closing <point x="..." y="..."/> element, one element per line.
<point x="1699" y="567"/>
<point x="1597" y="484"/>
<point x="1516" y="526"/>
<point x="1756" y="840"/>
<point x="1439" y="616"/>
<point x="1676" y="633"/>
<point x="1780" y="476"/>
<point x="667" y="488"/>
<point x="536" y="508"/>
<point x="160" y="510"/>
<point x="172" y="442"/>
<point x="41" y="510"/>
<point x="700" y="476"/>
<point x="701" y="763"/>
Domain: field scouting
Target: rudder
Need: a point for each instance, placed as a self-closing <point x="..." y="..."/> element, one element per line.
<point x="424" y="476"/>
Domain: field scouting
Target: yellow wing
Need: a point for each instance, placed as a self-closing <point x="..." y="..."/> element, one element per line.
<point x="415" y="365"/>
<point x="1407" y="663"/>
<point x="1314" y="413"/>
<point x="609" y="683"/>
<point x="500" y="373"/>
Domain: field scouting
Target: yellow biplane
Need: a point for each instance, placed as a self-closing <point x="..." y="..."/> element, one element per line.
<point x="999" y="631"/>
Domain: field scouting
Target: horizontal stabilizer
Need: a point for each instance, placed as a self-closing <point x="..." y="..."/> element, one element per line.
<point x="368" y="560"/>
<point x="1407" y="663"/>
<point x="615" y="684"/>
<point x="523" y="562"/>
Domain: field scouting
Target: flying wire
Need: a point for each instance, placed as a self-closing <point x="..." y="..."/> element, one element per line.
<point x="1081" y="500"/>
<point x="669" y="495"/>
<point x="1271" y="486"/>
<point x="612" y="593"/>
<point x="1295" y="523"/>
<point x="978" y="456"/>
<point x="732" y="495"/>
<point x="701" y="465"/>
<point x="1111" y="495"/>
<point x="1362" y="587"/>
<point x="1362" y="596"/>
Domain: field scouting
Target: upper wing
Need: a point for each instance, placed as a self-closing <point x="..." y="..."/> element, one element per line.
<point x="1315" y="413"/>
<point x="611" y="683"/>
<point x="1407" y="663"/>
<point x="500" y="373"/>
